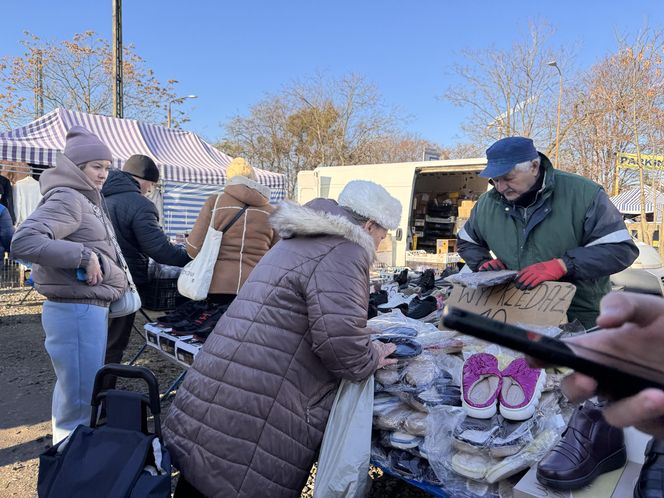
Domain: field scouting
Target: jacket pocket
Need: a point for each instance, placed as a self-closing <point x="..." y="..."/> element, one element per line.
<point x="114" y="276"/>
<point x="321" y="396"/>
<point x="317" y="411"/>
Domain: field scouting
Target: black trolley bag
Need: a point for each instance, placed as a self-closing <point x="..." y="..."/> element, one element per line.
<point x="119" y="459"/>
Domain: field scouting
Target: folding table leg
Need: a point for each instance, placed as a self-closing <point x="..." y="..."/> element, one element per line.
<point x="26" y="295"/>
<point x="176" y="383"/>
<point x="140" y="310"/>
<point x="139" y="353"/>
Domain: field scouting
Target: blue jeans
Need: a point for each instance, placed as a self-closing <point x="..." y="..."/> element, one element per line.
<point x="76" y="343"/>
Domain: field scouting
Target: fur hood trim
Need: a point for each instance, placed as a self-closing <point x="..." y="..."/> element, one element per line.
<point x="243" y="180"/>
<point x="291" y="219"/>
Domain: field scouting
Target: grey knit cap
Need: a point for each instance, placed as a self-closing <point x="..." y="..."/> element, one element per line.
<point x="82" y="146"/>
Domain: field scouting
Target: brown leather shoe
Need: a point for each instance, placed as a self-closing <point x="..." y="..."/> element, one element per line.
<point x="588" y="447"/>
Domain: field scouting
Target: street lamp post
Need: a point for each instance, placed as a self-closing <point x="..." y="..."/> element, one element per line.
<point x="179" y="100"/>
<point x="560" y="99"/>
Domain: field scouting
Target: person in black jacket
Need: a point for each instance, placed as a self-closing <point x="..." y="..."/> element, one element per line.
<point x="136" y="223"/>
<point x="6" y="231"/>
<point x="7" y="196"/>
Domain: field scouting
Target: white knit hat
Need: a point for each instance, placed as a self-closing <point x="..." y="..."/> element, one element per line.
<point x="372" y="201"/>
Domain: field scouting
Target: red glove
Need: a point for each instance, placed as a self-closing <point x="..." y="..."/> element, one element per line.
<point x="533" y="275"/>
<point x="492" y="265"/>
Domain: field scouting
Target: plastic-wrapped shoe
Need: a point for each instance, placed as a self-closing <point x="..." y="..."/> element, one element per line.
<point x="474" y="435"/>
<point x="407" y="465"/>
<point x="481" y="383"/>
<point x="406" y="347"/>
<point x="441" y="393"/>
<point x="511" y="437"/>
<point x="473" y="466"/>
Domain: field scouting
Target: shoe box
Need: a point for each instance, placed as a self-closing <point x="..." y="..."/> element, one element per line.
<point x="178" y="348"/>
<point x="616" y="484"/>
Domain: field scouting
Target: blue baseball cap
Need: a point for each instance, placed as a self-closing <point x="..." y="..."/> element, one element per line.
<point x="506" y="153"/>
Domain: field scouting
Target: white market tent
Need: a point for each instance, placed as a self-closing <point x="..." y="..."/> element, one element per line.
<point x="629" y="201"/>
<point x="191" y="169"/>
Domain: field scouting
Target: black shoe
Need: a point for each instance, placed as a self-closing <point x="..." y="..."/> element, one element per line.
<point x="378" y="298"/>
<point x="202" y="335"/>
<point x="402" y="278"/>
<point x="421" y="307"/>
<point x="205" y="321"/>
<point x="183" y="312"/>
<point x="651" y="478"/>
<point x="427" y="281"/>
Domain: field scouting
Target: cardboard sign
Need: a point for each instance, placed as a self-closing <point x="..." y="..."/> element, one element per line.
<point x="545" y="305"/>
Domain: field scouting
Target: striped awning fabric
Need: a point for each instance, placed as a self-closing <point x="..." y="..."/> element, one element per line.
<point x="181" y="155"/>
<point x="629" y="201"/>
<point x="182" y="202"/>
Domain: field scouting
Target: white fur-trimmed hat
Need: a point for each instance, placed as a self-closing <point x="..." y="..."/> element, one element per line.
<point x="372" y="201"/>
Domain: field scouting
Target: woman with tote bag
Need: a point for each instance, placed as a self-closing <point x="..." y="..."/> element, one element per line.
<point x="243" y="243"/>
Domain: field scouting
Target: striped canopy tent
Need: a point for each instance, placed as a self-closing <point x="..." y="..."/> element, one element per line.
<point x="191" y="169"/>
<point x="629" y="201"/>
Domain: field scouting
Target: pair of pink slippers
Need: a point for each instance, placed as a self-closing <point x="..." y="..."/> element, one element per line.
<point x="516" y="390"/>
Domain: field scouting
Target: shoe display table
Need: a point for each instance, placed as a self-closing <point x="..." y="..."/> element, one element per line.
<point x="180" y="349"/>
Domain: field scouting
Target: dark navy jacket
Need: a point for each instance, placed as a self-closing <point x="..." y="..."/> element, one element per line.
<point x="6" y="229"/>
<point x="136" y="223"/>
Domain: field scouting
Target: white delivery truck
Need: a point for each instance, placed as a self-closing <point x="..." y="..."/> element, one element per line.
<point x="436" y="197"/>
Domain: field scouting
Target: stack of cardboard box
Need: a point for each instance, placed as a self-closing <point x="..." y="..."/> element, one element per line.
<point x="465" y="207"/>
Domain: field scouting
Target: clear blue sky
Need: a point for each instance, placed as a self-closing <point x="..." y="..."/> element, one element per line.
<point x="231" y="54"/>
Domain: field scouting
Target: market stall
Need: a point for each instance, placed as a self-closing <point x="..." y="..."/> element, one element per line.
<point x="190" y="168"/>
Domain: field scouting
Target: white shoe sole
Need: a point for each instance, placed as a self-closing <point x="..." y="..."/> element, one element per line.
<point x="527" y="411"/>
<point x="472" y="411"/>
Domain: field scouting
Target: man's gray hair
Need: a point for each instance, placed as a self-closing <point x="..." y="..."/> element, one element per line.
<point x="525" y="165"/>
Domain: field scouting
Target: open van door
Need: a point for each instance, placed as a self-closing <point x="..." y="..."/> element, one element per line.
<point x="306" y="188"/>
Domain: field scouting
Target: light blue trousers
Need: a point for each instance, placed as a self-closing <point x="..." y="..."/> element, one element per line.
<point x="76" y="342"/>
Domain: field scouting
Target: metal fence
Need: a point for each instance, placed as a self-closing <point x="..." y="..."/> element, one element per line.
<point x="12" y="273"/>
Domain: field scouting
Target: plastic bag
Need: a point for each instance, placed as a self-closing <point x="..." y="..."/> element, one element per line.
<point x="343" y="464"/>
<point x="382" y="323"/>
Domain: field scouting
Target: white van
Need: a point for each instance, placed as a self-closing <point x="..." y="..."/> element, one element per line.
<point x="426" y="189"/>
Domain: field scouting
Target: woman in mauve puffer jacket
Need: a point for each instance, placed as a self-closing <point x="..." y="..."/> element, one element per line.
<point x="250" y="415"/>
<point x="68" y="232"/>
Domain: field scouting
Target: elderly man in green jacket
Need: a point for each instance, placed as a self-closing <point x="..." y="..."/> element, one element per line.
<point x="552" y="225"/>
<point x="548" y="225"/>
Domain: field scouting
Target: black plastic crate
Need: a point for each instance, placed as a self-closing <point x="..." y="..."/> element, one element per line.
<point x="161" y="294"/>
